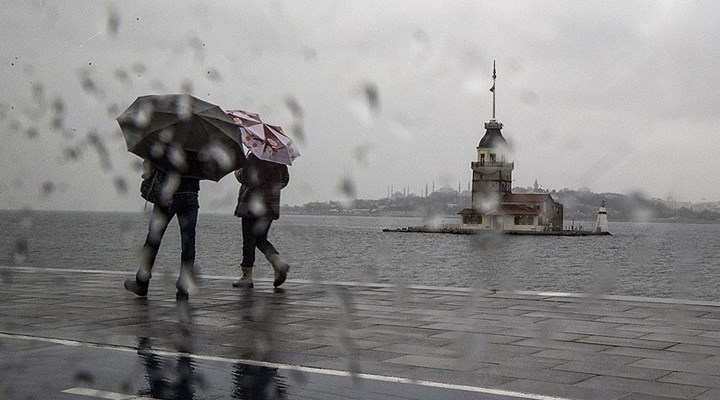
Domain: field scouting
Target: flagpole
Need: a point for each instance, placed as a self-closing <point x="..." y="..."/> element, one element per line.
<point x="493" y="90"/>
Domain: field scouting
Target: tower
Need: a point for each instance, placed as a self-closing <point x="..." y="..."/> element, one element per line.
<point x="492" y="172"/>
<point x="602" y="222"/>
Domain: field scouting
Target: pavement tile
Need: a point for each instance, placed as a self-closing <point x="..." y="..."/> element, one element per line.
<point x="575" y="347"/>
<point x="467" y="378"/>
<point x="702" y="367"/>
<point x="442" y="363"/>
<point x="545" y="343"/>
<point x="712" y="394"/>
<point x="687" y="378"/>
<point x="625" y="342"/>
<point x="611" y="369"/>
<point x="567" y="391"/>
<point x="640" y="386"/>
<point x="541" y="375"/>
<point x="592" y="357"/>
<point x="655" y="354"/>
<point x="694" y="348"/>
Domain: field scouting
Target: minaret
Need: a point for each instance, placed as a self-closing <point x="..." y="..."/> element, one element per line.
<point x="492" y="172"/>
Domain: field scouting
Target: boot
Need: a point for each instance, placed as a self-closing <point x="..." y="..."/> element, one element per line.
<point x="245" y="280"/>
<point x="281" y="269"/>
<point x="137" y="286"/>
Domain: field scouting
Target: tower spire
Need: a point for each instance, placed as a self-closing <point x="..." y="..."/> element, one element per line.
<point x="492" y="89"/>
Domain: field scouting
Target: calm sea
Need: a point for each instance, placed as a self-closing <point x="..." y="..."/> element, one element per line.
<point x="651" y="259"/>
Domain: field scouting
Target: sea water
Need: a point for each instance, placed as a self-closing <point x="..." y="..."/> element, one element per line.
<point x="639" y="259"/>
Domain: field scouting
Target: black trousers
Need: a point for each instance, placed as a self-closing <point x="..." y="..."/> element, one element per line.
<point x="254" y="232"/>
<point x="185" y="206"/>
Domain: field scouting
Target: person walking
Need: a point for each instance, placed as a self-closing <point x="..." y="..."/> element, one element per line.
<point x="177" y="196"/>
<point x="258" y="206"/>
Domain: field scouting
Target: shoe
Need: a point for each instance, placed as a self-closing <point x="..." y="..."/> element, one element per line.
<point x="281" y="269"/>
<point x="140" y="288"/>
<point x="181" y="295"/>
<point x="245" y="280"/>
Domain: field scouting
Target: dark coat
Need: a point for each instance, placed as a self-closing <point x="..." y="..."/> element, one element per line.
<point x="261" y="182"/>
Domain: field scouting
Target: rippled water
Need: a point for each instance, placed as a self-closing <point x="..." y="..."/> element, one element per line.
<point x="657" y="260"/>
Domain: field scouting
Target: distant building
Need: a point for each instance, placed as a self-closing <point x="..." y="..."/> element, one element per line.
<point x="493" y="205"/>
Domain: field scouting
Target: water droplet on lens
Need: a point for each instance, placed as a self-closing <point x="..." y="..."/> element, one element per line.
<point x="121" y="186"/>
<point x="113" y="22"/>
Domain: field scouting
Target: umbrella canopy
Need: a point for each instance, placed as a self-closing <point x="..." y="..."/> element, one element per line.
<point x="184" y="135"/>
<point x="268" y="142"/>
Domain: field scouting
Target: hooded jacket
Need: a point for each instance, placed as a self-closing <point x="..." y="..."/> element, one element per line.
<point x="259" y="194"/>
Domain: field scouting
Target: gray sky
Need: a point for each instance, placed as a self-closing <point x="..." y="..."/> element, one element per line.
<point x="613" y="96"/>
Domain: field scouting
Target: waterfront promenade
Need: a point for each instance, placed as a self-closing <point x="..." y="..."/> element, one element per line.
<point x="72" y="334"/>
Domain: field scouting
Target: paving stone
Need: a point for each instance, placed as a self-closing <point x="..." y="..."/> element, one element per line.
<point x="569" y="346"/>
<point x="565" y="391"/>
<point x="687" y="378"/>
<point x="611" y="369"/>
<point x="640" y="386"/>
<point x="625" y="342"/>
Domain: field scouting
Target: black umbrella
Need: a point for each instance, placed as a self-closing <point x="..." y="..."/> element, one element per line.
<point x="184" y="135"/>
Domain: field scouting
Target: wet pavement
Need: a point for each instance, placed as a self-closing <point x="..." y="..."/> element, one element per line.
<point x="72" y="334"/>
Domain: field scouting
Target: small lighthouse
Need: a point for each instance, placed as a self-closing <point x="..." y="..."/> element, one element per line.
<point x="602" y="221"/>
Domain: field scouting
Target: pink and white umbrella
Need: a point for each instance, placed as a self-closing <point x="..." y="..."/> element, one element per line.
<point x="268" y="142"/>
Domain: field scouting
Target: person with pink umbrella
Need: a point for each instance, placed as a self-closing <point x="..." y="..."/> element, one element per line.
<point x="262" y="178"/>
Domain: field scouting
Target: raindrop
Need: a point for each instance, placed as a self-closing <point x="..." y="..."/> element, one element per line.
<point x="87" y="83"/>
<point x="309" y="53"/>
<point x="139" y="68"/>
<point x="38" y="93"/>
<point x="121" y="186"/>
<point x="72" y="153"/>
<point x="347" y="187"/>
<point x="294" y="106"/>
<point x="213" y="75"/>
<point x="361" y="153"/>
<point x="187" y="87"/>
<point x="298" y="132"/>
<point x="84" y="377"/>
<point x="217" y="157"/>
<point x="157" y="85"/>
<point x="113" y="21"/>
<point x="144" y="114"/>
<point x="113" y="109"/>
<point x="47" y="188"/>
<point x="58" y="110"/>
<point x="99" y="145"/>
<point x="20" y="251"/>
<point x="184" y="107"/>
<point x="32" y="133"/>
<point x="372" y="96"/>
<point x="122" y="75"/>
<point x="257" y="205"/>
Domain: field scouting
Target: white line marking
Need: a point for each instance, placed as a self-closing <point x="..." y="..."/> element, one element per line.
<point x="101" y="394"/>
<point x="312" y="370"/>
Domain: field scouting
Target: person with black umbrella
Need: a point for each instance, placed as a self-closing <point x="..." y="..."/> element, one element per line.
<point x="182" y="139"/>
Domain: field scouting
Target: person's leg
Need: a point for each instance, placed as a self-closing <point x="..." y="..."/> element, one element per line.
<point x="187" y="214"/>
<point x="158" y="224"/>
<point x="248" y="253"/>
<point x="262" y="227"/>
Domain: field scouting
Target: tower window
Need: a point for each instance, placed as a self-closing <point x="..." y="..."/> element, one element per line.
<point x="492" y="158"/>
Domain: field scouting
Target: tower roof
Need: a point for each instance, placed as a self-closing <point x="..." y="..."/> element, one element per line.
<point x="493" y="137"/>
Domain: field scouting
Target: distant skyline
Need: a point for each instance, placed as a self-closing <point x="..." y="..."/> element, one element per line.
<point x="612" y="96"/>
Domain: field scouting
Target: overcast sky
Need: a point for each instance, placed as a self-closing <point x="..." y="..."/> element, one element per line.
<point x="612" y="96"/>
